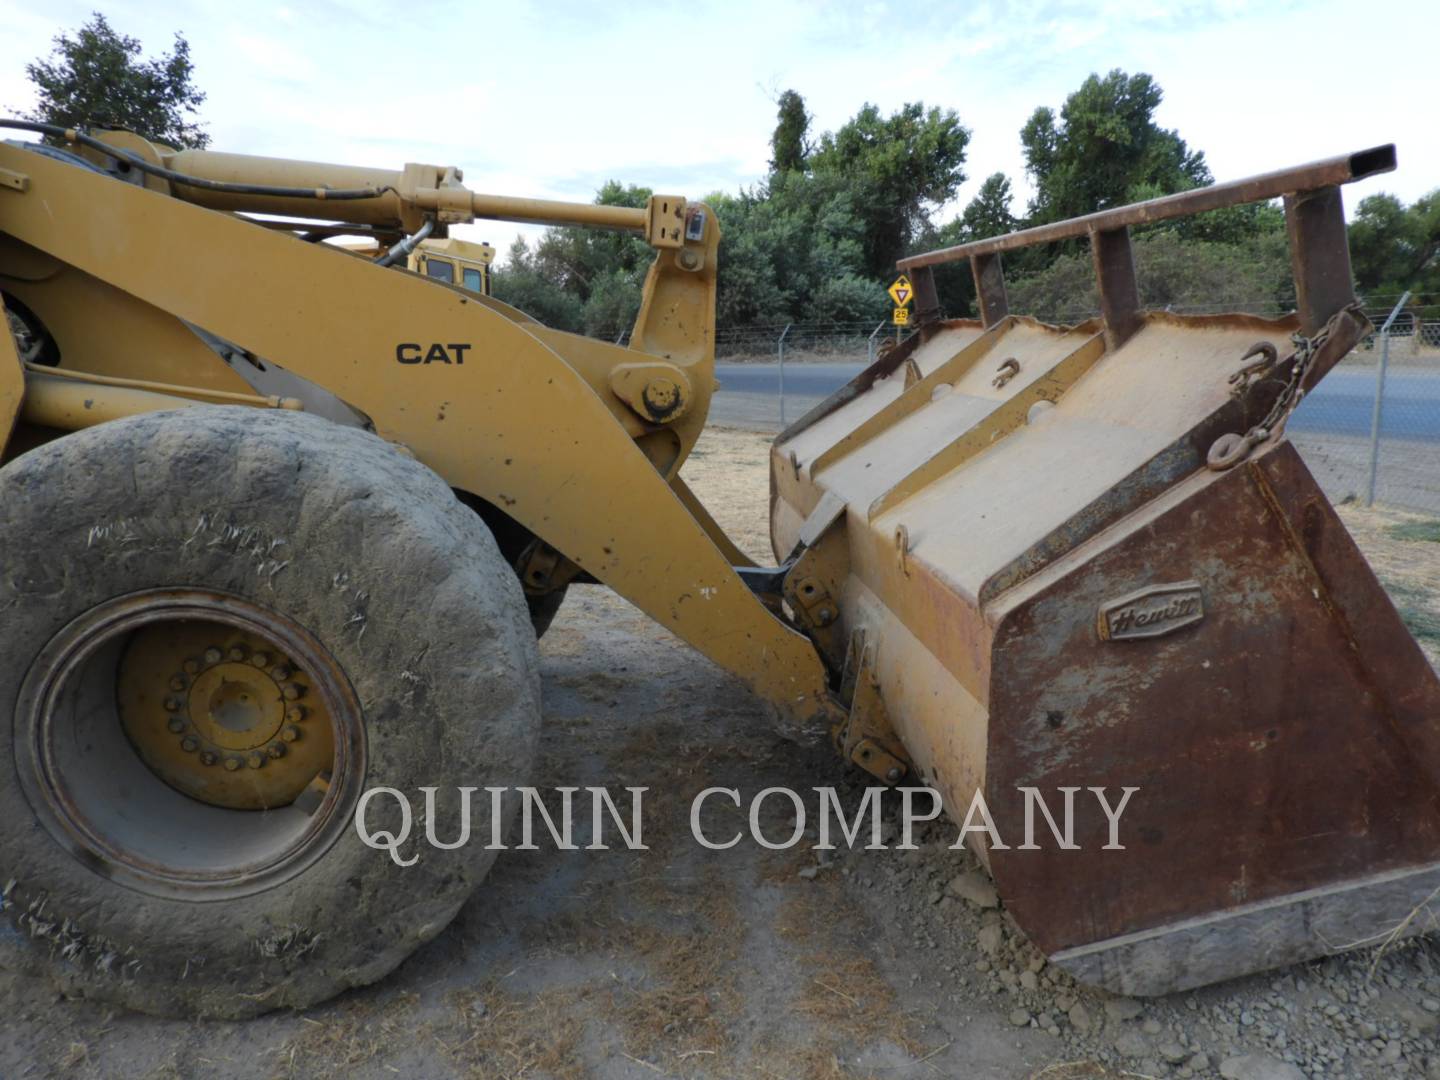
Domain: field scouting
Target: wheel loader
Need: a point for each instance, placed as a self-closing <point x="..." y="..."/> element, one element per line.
<point x="280" y="523"/>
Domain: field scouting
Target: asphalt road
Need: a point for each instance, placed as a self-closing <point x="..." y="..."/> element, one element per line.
<point x="1341" y="405"/>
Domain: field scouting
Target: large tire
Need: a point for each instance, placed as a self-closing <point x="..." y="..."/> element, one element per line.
<point x="364" y="554"/>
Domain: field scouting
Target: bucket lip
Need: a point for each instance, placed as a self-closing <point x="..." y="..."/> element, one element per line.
<point x="1303" y="925"/>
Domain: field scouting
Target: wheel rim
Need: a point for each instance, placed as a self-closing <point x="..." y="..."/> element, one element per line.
<point x="223" y="715"/>
<point x="189" y="742"/>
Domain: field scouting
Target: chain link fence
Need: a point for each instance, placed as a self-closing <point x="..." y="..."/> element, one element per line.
<point x="1370" y="432"/>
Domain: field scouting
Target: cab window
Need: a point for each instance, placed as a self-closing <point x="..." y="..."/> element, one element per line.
<point x="441" y="271"/>
<point x="472" y="280"/>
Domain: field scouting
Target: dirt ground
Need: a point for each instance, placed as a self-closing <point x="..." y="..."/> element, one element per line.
<point x="680" y="962"/>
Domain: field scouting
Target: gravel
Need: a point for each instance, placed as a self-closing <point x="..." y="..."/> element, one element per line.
<point x="1368" y="1014"/>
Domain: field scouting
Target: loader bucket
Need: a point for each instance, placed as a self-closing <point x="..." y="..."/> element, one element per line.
<point x="1073" y="579"/>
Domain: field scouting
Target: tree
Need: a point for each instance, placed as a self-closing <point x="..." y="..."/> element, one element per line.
<point x="815" y="241"/>
<point x="1394" y="247"/>
<point x="788" y="144"/>
<point x="1105" y="150"/>
<point x="98" y="78"/>
<point x="989" y="212"/>
<point x="897" y="171"/>
<point x="520" y="284"/>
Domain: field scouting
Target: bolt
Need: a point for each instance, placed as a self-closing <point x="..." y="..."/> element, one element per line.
<point x="291" y="733"/>
<point x="191" y="666"/>
<point x="894" y="774"/>
<point x="261" y="660"/>
<point x="280" y="672"/>
<point x="172" y="704"/>
<point x="689" y="260"/>
<point x="189" y="744"/>
<point x="275" y="750"/>
<point x="293" y="691"/>
<point x="255" y="760"/>
<point x="178" y="683"/>
<point x="295" y="714"/>
<point x="231" y="764"/>
<point x="176" y="725"/>
<point x="207" y="758"/>
<point x="213" y="655"/>
<point x="237" y="653"/>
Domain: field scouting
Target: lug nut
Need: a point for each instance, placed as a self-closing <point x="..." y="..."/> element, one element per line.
<point x="172" y="704"/>
<point x="291" y="733"/>
<point x="176" y="725"/>
<point x="189" y="744"/>
<point x="232" y="763"/>
<point x="275" y="750"/>
<point x="280" y="673"/>
<point x="178" y="683"/>
<point x="295" y="714"/>
<point x="213" y="655"/>
<point x="207" y="758"/>
<point x="255" y="760"/>
<point x="293" y="691"/>
<point x="191" y="666"/>
<point x="261" y="660"/>
<point x="237" y="653"/>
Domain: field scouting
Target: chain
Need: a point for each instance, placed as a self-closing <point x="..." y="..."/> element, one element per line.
<point x="1229" y="450"/>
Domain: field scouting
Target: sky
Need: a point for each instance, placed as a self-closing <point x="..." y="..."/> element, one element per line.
<point x="551" y="99"/>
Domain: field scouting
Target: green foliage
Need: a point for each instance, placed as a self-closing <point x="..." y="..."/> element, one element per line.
<point x="989" y="212"/>
<point x="849" y="298"/>
<point x="597" y="275"/>
<point x="1172" y="271"/>
<point x="788" y="144"/>
<point x="1394" y="247"/>
<point x="898" y="170"/>
<point x="97" y="77"/>
<point x="816" y="241"/>
<point x="521" y="284"/>
<point x="1105" y="150"/>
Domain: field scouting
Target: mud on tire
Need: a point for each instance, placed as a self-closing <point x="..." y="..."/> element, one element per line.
<point x="368" y="558"/>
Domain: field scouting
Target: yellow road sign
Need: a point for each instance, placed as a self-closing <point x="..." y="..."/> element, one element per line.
<point x="901" y="291"/>
<point x="902" y="316"/>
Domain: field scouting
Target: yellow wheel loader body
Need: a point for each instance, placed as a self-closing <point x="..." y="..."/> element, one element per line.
<point x="1009" y="555"/>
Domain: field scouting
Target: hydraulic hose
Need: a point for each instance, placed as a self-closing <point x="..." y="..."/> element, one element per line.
<point x="404" y="247"/>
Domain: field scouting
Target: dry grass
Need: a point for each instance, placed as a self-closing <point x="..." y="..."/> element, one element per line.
<point x="845" y="997"/>
<point x="338" y="1039"/>
<point x="684" y="1010"/>
<point x="729" y="471"/>
<point x="848" y="993"/>
<point x="1404" y="551"/>
<point x="509" y="1036"/>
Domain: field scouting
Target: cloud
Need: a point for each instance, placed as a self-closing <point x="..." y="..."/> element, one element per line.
<point x="552" y="99"/>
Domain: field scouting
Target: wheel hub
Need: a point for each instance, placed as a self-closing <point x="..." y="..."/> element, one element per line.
<point x="222" y="715"/>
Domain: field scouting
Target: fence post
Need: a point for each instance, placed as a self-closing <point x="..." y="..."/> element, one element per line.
<point x="870" y="343"/>
<point x="780" y="347"/>
<point x="1377" y="414"/>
